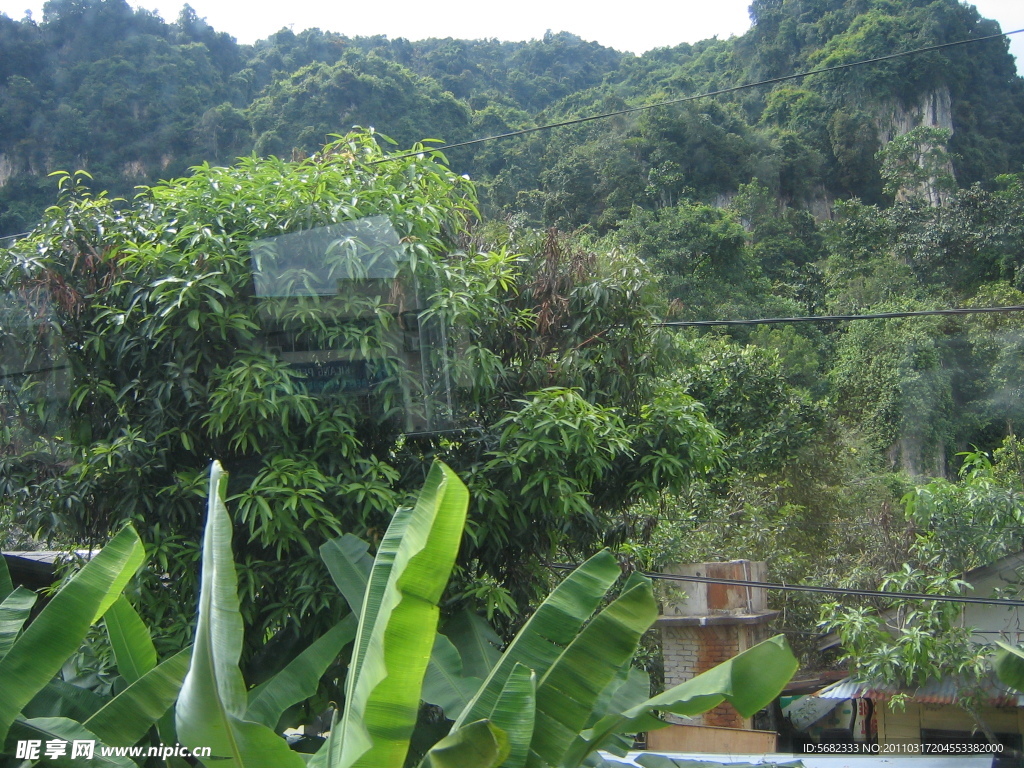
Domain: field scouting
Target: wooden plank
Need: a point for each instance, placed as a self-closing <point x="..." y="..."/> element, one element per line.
<point x="711" y="739"/>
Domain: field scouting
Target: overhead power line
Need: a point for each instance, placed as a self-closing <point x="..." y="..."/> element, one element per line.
<point x="820" y="590"/>
<point x="838" y="318"/>
<point x="694" y="97"/>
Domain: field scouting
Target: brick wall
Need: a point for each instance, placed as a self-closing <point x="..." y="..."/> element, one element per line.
<point x="691" y="650"/>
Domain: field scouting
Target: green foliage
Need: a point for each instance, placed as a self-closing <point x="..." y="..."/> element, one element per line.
<point x="917" y="165"/>
<point x="1009" y="665"/>
<point x="912" y="641"/>
<point x="37" y="703"/>
<point x="891" y="378"/>
<point x="139" y="99"/>
<point x="563" y="687"/>
<point x="967" y="524"/>
<point x="575" y="424"/>
<point x="535" y="350"/>
<point x="764" y="418"/>
<point x="701" y="253"/>
<point x="959" y="527"/>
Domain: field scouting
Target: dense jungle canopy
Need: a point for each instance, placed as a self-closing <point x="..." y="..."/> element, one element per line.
<point x="834" y="451"/>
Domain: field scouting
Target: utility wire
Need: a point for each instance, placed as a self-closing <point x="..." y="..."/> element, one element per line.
<point x="819" y="590"/>
<point x="758" y="321"/>
<point x="837" y="318"/>
<point x="694" y="97"/>
<point x="684" y="99"/>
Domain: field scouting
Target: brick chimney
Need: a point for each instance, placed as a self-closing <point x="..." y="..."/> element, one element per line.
<point x="704" y="624"/>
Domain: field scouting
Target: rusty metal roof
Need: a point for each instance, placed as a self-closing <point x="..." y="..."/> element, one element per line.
<point x="944" y="691"/>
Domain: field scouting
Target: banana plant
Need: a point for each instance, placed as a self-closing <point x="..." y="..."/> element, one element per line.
<point x="1009" y="665"/>
<point x="564" y="688"/>
<point x="33" y="652"/>
<point x="393" y="630"/>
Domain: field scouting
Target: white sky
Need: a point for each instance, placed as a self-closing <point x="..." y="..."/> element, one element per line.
<point x="632" y="26"/>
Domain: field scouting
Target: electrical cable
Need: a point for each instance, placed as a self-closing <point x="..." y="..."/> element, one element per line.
<point x="694" y="97"/>
<point x="837" y="318"/>
<point x="819" y="590"/>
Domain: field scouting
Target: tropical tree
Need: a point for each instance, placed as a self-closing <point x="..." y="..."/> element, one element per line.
<point x="190" y="325"/>
<point x="38" y="703"/>
<point x="560" y="691"/>
<point x="958" y="527"/>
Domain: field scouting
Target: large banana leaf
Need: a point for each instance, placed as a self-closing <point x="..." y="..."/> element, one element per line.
<point x="478" y="745"/>
<point x="575" y="682"/>
<point x="631" y="688"/>
<point x="6" y="585"/>
<point x="554" y="625"/>
<point x="64" y="729"/>
<point x="126" y="718"/>
<point x="515" y="713"/>
<point x="397" y="625"/>
<point x="133" y="647"/>
<point x="213" y="700"/>
<point x="299" y="679"/>
<point x="749" y="681"/>
<point x="476" y="642"/>
<point x="1009" y="665"/>
<point x="40" y="651"/>
<point x="14" y="612"/>
<point x="349" y="565"/>
<point x="62" y="699"/>
<point x="445" y="684"/>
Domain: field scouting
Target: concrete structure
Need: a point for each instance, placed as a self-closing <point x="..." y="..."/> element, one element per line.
<point x="704" y="624"/>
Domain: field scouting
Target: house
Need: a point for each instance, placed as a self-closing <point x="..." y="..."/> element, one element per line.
<point x="930" y="714"/>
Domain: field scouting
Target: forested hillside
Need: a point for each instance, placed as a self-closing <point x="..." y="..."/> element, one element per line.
<point x="839" y="452"/>
<point x="132" y="98"/>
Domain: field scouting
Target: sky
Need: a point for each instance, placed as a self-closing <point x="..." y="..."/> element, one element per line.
<point x="632" y="27"/>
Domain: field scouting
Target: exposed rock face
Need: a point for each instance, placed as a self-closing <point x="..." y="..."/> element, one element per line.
<point x="935" y="110"/>
<point x="134" y="169"/>
<point x="6" y="169"/>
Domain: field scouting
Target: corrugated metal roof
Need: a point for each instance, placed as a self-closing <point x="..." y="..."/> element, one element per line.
<point x="816" y="761"/>
<point x="933" y="692"/>
<point x="50" y="556"/>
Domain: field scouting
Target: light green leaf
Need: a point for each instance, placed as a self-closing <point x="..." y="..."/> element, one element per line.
<point x="38" y="654"/>
<point x="1009" y="665"/>
<point x="515" y="713"/>
<point x="477" y="643"/>
<point x="397" y="625"/>
<point x="630" y="688"/>
<point x="573" y="685"/>
<point x="749" y="681"/>
<point x="349" y="565"/>
<point x="126" y="718"/>
<point x="212" y="703"/>
<point x="552" y="627"/>
<point x="62" y="699"/>
<point x="14" y="612"/>
<point x="444" y="684"/>
<point x="478" y="745"/>
<point x="63" y="729"/>
<point x="129" y="637"/>
<point x="300" y="678"/>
